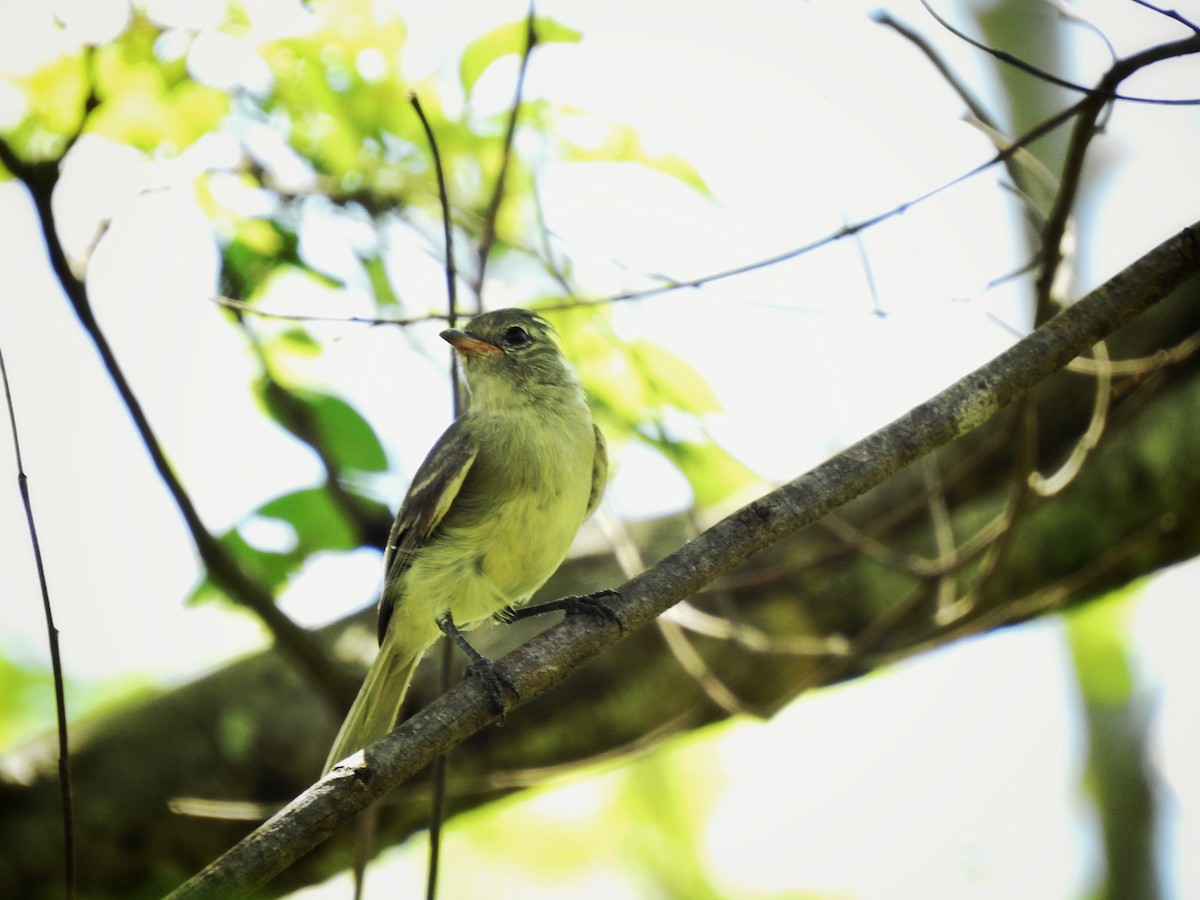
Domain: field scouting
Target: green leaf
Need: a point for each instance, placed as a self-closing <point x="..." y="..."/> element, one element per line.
<point x="714" y="475"/>
<point x="314" y="517"/>
<point x="148" y="103"/>
<point x="352" y="440"/>
<point x="325" y="422"/>
<point x="317" y="523"/>
<point x="296" y="341"/>
<point x="506" y="40"/>
<point x="381" y="285"/>
<point x="337" y="107"/>
<point x="26" y="696"/>
<point x="55" y="94"/>
<point x="622" y="143"/>
<point x="269" y="568"/>
<point x="634" y="386"/>
<point x="259" y="251"/>
<point x="670" y="381"/>
<point x="639" y="381"/>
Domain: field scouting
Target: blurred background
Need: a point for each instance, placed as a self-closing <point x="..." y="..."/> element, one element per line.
<point x="879" y="734"/>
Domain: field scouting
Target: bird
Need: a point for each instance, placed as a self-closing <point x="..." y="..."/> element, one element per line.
<point x="490" y="513"/>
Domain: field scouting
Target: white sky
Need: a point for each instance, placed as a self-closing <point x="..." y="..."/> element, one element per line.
<point x="800" y="117"/>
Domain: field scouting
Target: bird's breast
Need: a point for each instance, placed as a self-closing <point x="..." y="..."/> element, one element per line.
<point x="516" y="515"/>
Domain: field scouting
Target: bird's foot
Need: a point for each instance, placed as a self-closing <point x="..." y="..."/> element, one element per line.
<point x="498" y="685"/>
<point x="594" y="604"/>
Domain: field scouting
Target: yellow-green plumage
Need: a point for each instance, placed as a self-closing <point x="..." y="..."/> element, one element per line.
<point x="492" y="510"/>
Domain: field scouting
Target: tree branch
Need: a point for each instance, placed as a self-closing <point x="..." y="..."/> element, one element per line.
<point x="60" y="703"/>
<point x="40" y="179"/>
<point x="541" y="663"/>
<point x="1081" y="136"/>
<point x="1105" y="91"/>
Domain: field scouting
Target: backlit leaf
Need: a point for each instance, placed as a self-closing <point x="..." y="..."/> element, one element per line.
<point x="508" y="39"/>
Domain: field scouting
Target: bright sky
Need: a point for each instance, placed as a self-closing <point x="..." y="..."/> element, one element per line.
<point x="800" y="117"/>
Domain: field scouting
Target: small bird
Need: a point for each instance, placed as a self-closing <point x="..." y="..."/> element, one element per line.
<point x="491" y="512"/>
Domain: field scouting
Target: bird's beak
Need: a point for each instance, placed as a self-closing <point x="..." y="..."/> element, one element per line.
<point x="469" y="346"/>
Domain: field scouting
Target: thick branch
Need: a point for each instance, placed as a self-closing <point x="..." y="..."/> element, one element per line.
<point x="545" y="661"/>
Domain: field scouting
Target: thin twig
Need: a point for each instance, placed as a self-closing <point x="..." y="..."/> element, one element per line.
<point x="917" y="566"/>
<point x="1072" y="15"/>
<point x="918" y="40"/>
<point x="752" y="639"/>
<point x="437" y="806"/>
<point x="300" y="646"/>
<point x="1002" y="156"/>
<point x="487" y="236"/>
<point x="1141" y="365"/>
<point x="60" y="703"/>
<point x="1102" y="91"/>
<point x="1049" y="485"/>
<point x="573" y="302"/>
<point x="1020" y="503"/>
<point x="1035" y="133"/>
<point x="1170" y="14"/>
<point x="242" y="306"/>
<point x="694" y="665"/>
<point x="549" y="262"/>
<point x="1041" y="601"/>
<point x="1081" y="136"/>
<point x="444" y="197"/>
<point x="943" y="530"/>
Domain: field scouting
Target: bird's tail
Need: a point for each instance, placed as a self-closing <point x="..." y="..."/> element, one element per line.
<point x="378" y="702"/>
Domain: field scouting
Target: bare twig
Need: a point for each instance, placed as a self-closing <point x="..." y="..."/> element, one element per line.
<point x="978" y="110"/>
<point x="1046" y="599"/>
<point x="550" y="264"/>
<point x="40" y="179"/>
<point x="1035" y="133"/>
<point x="1170" y="14"/>
<point x="943" y="531"/>
<point x="1049" y="485"/>
<point x="1020" y="501"/>
<point x="437" y="805"/>
<point x="1142" y="365"/>
<point x="444" y="197"/>
<point x="854" y="228"/>
<point x="242" y="306"/>
<point x="60" y="703"/>
<point x="755" y="640"/>
<point x="1102" y="91"/>
<point x="487" y="236"/>
<point x="1081" y="136"/>
<point x="1071" y="14"/>
<point x="700" y="672"/>
<point x="917" y="566"/>
<point x="671" y="285"/>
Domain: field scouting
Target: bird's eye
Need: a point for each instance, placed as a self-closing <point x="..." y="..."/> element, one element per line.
<point x="516" y="336"/>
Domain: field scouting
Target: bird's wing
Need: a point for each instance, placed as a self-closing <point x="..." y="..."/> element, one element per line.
<point x="599" y="472"/>
<point x="429" y="497"/>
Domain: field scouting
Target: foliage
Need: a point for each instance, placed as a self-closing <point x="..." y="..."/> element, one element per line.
<point x="338" y="96"/>
<point x="305" y="156"/>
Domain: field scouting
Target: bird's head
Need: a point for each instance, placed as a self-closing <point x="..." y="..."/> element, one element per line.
<point x="510" y="351"/>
